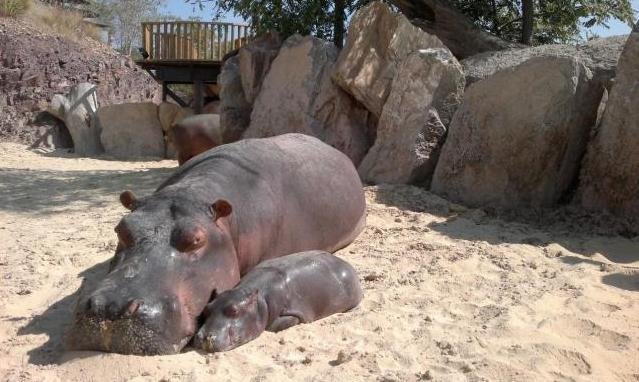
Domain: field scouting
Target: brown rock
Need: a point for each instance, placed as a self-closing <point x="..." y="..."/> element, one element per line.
<point x="298" y="96"/>
<point x="378" y="40"/>
<point x="426" y="91"/>
<point x="519" y="135"/>
<point x="609" y="177"/>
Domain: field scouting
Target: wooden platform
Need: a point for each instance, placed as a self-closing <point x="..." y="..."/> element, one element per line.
<point x="185" y="52"/>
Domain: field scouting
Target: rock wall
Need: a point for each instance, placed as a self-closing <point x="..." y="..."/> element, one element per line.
<point x="34" y="66"/>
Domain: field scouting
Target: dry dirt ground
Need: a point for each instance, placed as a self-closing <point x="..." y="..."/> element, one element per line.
<point x="450" y="294"/>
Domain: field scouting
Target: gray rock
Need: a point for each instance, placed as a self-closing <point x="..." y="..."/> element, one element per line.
<point x="131" y="130"/>
<point x="610" y="171"/>
<point x="298" y="96"/>
<point x="519" y="135"/>
<point x="235" y="111"/>
<point x="255" y="61"/>
<point x="599" y="55"/>
<point x="77" y="110"/>
<point x="425" y="93"/>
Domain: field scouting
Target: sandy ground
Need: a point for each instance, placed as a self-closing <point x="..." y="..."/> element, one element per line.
<point x="450" y="294"/>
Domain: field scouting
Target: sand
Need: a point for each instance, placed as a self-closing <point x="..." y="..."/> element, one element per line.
<point x="450" y="294"/>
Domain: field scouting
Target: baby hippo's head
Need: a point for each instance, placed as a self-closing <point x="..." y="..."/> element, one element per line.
<point x="234" y="318"/>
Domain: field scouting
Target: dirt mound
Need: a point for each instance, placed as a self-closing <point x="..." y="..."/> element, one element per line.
<point x="35" y="65"/>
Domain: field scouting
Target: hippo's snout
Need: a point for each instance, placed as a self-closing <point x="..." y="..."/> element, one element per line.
<point x="98" y="306"/>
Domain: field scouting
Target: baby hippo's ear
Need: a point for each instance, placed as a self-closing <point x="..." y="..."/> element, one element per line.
<point x="128" y="200"/>
<point x="221" y="209"/>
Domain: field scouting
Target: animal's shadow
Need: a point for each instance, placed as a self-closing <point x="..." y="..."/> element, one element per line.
<point x="57" y="319"/>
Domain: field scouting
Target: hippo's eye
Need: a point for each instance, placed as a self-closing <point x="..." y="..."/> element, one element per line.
<point x="231" y="311"/>
<point x="125" y="237"/>
<point x="189" y="241"/>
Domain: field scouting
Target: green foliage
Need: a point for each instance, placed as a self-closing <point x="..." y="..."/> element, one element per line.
<point x="554" y="20"/>
<point x="14" y="8"/>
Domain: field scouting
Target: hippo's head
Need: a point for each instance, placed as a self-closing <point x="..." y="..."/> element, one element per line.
<point x="173" y="255"/>
<point x="235" y="317"/>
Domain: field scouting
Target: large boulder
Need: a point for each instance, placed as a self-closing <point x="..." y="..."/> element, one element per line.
<point x="519" y="135"/>
<point x="77" y="110"/>
<point x="235" y="111"/>
<point x="255" y="61"/>
<point x="298" y="96"/>
<point x="610" y="171"/>
<point x="240" y="81"/>
<point x="378" y="41"/>
<point x="599" y="55"/>
<point x="131" y="130"/>
<point x="425" y="93"/>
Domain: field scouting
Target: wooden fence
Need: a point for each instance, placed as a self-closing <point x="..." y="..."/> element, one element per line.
<point x="192" y="41"/>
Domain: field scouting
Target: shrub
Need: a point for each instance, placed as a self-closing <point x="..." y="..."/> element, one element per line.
<point x="14" y="8"/>
<point x="65" y="22"/>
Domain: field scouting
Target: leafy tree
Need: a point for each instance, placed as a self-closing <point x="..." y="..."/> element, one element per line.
<point x="125" y="16"/>
<point x="526" y="21"/>
<point x="543" y="21"/>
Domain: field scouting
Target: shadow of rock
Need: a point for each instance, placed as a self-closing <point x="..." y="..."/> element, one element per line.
<point x="56" y="321"/>
<point x="46" y="191"/>
<point x="625" y="281"/>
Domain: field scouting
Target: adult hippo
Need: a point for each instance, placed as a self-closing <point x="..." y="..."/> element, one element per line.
<point x="196" y="134"/>
<point x="211" y="222"/>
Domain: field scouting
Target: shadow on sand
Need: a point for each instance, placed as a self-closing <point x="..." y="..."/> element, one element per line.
<point x="584" y="234"/>
<point x="47" y="191"/>
<point x="56" y="321"/>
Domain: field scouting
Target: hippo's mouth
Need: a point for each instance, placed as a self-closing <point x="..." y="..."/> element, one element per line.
<point x="124" y="336"/>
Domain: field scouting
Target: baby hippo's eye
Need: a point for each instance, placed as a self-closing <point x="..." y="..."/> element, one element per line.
<point x="189" y="240"/>
<point x="231" y="311"/>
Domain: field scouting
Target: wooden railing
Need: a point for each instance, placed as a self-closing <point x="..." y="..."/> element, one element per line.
<point x="192" y="41"/>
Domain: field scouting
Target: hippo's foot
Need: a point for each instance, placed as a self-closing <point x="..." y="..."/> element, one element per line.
<point x="283" y="322"/>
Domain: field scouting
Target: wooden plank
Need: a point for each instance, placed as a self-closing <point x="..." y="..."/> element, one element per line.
<point x="173" y="53"/>
<point x="219" y="42"/>
<point x="156" y="44"/>
<point x="232" y="37"/>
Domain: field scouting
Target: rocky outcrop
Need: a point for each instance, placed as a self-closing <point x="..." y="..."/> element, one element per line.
<point x="378" y="41"/>
<point x="255" y="61"/>
<point x="35" y="65"/>
<point x="240" y="83"/>
<point x="298" y="96"/>
<point x="426" y="91"/>
<point x="131" y="130"/>
<point x="518" y="137"/>
<point x="235" y="112"/>
<point x="599" y="55"/>
<point x="77" y="111"/>
<point x="609" y="177"/>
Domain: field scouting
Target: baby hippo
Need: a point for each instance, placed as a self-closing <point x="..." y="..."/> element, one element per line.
<point x="196" y="134"/>
<point x="277" y="294"/>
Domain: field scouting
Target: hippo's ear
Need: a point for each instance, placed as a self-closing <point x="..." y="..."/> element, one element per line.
<point x="128" y="200"/>
<point x="220" y="209"/>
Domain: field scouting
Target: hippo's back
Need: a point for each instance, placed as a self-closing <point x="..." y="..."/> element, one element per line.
<point x="290" y="193"/>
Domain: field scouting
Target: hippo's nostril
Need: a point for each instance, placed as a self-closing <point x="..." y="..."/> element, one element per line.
<point x="132" y="307"/>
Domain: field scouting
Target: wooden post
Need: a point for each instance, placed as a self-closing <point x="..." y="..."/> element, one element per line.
<point x="165" y="88"/>
<point x="198" y="96"/>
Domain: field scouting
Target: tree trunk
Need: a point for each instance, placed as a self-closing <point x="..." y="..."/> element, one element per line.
<point x="528" y="11"/>
<point x="338" y="23"/>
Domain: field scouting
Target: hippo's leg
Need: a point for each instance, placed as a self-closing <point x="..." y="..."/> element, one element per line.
<point x="283" y="322"/>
